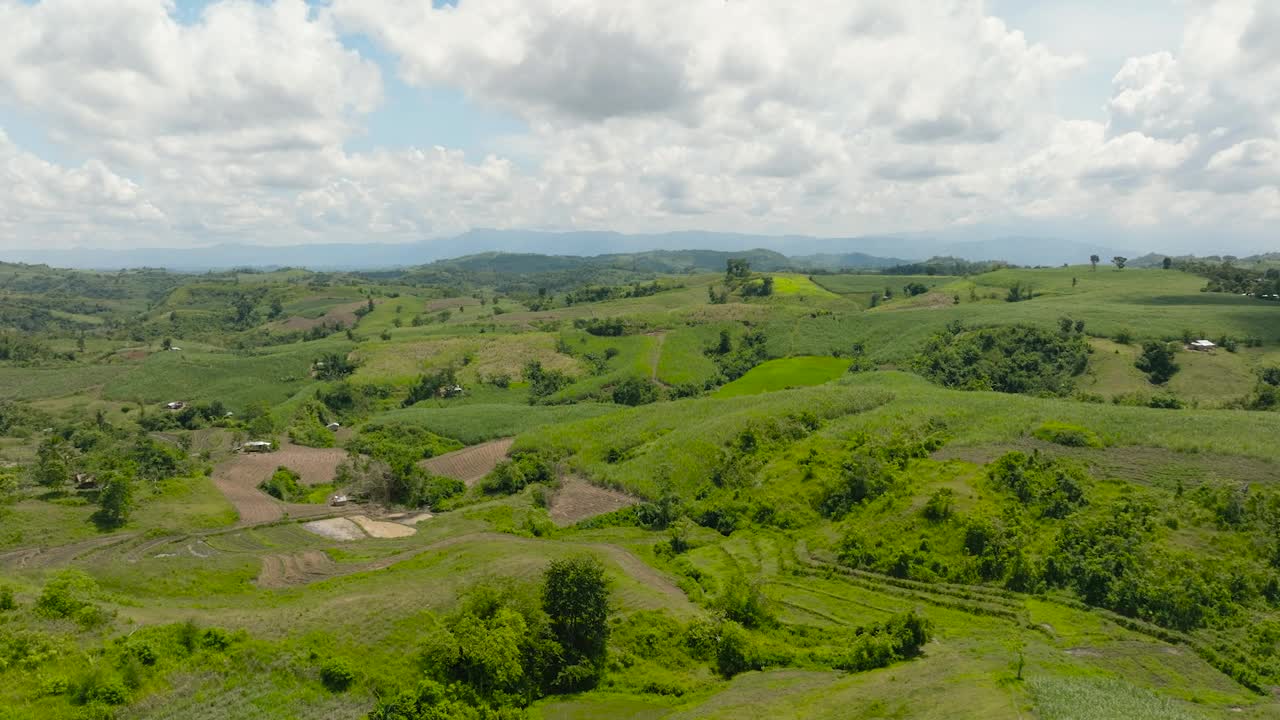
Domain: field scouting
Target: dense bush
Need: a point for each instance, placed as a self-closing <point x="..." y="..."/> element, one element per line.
<point x="337" y="675"/>
<point x="635" y="391"/>
<point x="512" y="476"/>
<point x="283" y="485"/>
<point x="1068" y="435"/>
<point x="1053" y="488"/>
<point x="1011" y="359"/>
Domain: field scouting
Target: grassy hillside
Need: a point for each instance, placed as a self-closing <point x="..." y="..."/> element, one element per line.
<point x="788" y="519"/>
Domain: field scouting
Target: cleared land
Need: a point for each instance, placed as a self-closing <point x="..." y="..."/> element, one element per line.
<point x="471" y="464"/>
<point x="578" y="500"/>
<point x="239" y="477"/>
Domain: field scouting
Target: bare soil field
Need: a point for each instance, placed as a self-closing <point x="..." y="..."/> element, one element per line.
<point x="578" y="500"/>
<point x="344" y="314"/>
<point x="38" y="557"/>
<point x="471" y="464"/>
<point x="335" y="529"/>
<point x="381" y="529"/>
<point x="451" y="303"/>
<point x="239" y="477"/>
<point x="279" y="571"/>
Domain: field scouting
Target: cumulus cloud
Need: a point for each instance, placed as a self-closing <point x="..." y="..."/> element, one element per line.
<point x="825" y="117"/>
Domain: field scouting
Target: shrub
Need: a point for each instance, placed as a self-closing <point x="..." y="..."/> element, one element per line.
<point x="216" y="639"/>
<point x="7" y="602"/>
<point x="283" y="485"/>
<point x="1165" y="402"/>
<point x="69" y="592"/>
<point x="337" y="675"/>
<point x="1124" y="336"/>
<point x="1068" y="435"/>
<point x="735" y="652"/>
<point x="744" y="603"/>
<point x="635" y="391"/>
<point x="512" y="476"/>
<point x="940" y="505"/>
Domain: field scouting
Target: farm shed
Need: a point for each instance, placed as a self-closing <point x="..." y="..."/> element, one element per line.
<point x="1203" y="345"/>
<point x="256" y="446"/>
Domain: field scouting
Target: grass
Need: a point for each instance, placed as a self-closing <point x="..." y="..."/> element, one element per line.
<point x="799" y="285"/>
<point x="273" y="375"/>
<point x="683" y="358"/>
<point x="474" y="424"/>
<point x="1103" y="699"/>
<point x="785" y="374"/>
<point x="19" y="383"/>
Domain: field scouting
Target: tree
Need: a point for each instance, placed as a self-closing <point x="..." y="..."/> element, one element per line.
<point x="737" y="269"/>
<point x="53" y="463"/>
<point x="167" y="345"/>
<point x="575" y="596"/>
<point x="115" y="500"/>
<point x="277" y="309"/>
<point x="635" y="391"/>
<point x="1157" y="362"/>
<point x="333" y="366"/>
<point x="1094" y="260"/>
<point x="725" y="346"/>
<point x="1167" y="263"/>
<point x="875" y="299"/>
<point x="1119" y="261"/>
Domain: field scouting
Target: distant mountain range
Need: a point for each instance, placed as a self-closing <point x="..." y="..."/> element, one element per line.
<point x="800" y="251"/>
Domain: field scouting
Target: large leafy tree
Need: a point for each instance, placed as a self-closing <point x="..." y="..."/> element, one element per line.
<point x="575" y="596"/>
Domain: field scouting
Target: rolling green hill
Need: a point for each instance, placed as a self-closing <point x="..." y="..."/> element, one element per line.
<point x="755" y="498"/>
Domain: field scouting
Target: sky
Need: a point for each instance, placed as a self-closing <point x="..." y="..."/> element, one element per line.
<point x="172" y="123"/>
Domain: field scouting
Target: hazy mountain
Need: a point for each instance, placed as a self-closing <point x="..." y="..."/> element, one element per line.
<point x="863" y="252"/>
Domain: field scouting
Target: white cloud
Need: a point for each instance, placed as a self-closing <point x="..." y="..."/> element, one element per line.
<point x="825" y="117"/>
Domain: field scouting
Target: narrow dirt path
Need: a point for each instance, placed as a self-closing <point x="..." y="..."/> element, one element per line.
<point x="655" y="355"/>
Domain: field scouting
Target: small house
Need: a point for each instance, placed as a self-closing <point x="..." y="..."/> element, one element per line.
<point x="339" y="500"/>
<point x="335" y="427"/>
<point x="85" y="481"/>
<point x="175" y="405"/>
<point x="1202" y="345"/>
<point x="256" y="446"/>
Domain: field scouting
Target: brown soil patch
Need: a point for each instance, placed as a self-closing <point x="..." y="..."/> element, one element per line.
<point x="37" y="557"/>
<point x="451" y="304"/>
<point x="280" y="571"/>
<point x="342" y="314"/>
<point x="579" y="500"/>
<point x="239" y="477"/>
<point x="471" y="464"/>
<point x="382" y="530"/>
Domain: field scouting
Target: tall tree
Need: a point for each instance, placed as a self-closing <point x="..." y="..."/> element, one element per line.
<point x="116" y="500"/>
<point x="1094" y="260"/>
<point x="1119" y="261"/>
<point x="53" y="463"/>
<point x="575" y="595"/>
<point x="1167" y="263"/>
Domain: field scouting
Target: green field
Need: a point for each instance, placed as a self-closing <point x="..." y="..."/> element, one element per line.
<point x="786" y="374"/>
